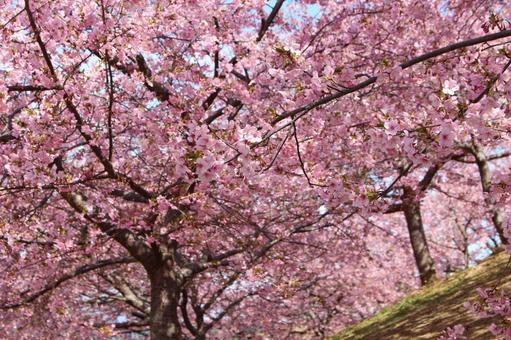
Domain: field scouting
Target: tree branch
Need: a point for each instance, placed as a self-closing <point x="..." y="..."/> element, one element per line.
<point x="32" y="88"/>
<point x="40" y="42"/>
<point x="407" y="64"/>
<point x="129" y="295"/>
<point x="66" y="277"/>
<point x="266" y="23"/>
<point x="135" y="246"/>
<point x="428" y="177"/>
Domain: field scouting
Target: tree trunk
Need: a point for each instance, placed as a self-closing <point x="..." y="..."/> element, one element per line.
<point x="485" y="175"/>
<point x="411" y="209"/>
<point x="497" y="220"/>
<point x="164" y="320"/>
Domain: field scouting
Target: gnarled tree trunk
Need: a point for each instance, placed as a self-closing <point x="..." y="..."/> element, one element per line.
<point x="423" y="259"/>
<point x="164" y="320"/>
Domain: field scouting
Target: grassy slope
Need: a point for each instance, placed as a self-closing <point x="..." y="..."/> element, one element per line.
<point x="428" y="311"/>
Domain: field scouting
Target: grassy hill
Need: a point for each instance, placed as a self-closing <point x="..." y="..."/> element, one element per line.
<point x="427" y="312"/>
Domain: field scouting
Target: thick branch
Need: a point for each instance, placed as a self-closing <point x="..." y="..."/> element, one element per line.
<point x="428" y="177"/>
<point x="129" y="295"/>
<point x="394" y="208"/>
<point x="184" y="312"/>
<point x="32" y="88"/>
<point x="135" y="246"/>
<point x="6" y="138"/>
<point x="156" y="87"/>
<point x="409" y="63"/>
<point x="266" y="23"/>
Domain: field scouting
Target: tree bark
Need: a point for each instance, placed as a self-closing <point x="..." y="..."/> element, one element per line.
<point x="423" y="259"/>
<point x="485" y="175"/>
<point x="164" y="320"/>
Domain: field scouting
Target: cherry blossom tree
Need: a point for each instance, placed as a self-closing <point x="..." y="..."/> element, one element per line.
<point x="194" y="169"/>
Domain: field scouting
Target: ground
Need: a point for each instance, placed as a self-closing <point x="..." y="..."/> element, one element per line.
<point x="427" y="312"/>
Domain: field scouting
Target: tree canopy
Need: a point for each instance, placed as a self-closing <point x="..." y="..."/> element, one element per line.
<point x="219" y="169"/>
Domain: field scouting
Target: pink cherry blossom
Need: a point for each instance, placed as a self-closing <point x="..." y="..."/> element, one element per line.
<point x="231" y="169"/>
